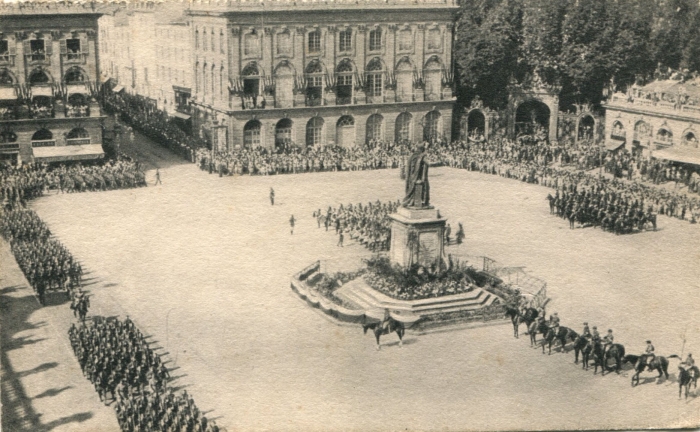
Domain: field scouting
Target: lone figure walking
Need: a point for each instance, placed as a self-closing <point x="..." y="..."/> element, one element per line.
<point x="272" y="197"/>
<point x="291" y="223"/>
<point x="158" y="177"/>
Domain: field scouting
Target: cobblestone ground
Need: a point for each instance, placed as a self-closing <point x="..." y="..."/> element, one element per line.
<point x="202" y="264"/>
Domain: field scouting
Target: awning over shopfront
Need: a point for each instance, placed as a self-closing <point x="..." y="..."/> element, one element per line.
<point x="76" y="88"/>
<point x="613" y="144"/>
<point x="117" y="88"/>
<point x="8" y="93"/>
<point x="689" y="157"/>
<point x="68" y="153"/>
<point x="181" y="115"/>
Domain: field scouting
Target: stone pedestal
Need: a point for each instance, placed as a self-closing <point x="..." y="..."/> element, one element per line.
<point x="417" y="237"/>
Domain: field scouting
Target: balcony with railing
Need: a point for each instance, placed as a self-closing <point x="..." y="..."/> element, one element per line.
<point x="77" y="111"/>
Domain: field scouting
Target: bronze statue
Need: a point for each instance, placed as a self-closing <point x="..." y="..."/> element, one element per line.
<point x="417" y="186"/>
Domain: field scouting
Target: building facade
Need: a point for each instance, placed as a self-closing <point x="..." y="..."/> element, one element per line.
<point x="342" y="73"/>
<point x="661" y="119"/>
<point x="145" y="49"/>
<point x="48" y="82"/>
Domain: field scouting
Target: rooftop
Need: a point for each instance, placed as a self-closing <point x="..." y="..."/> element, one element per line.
<point x="269" y="5"/>
<point x="55" y="8"/>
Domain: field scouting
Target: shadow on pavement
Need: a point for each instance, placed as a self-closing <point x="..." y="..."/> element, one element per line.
<point x="18" y="413"/>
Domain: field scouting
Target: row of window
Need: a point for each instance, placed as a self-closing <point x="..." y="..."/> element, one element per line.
<point x="314" y="77"/>
<point x="38" y="49"/>
<point x="642" y="130"/>
<point x="251" y="41"/>
<point x="74" y="75"/>
<point x="345" y="130"/>
<point x="208" y="41"/>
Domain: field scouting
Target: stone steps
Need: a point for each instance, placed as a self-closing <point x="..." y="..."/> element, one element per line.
<point x="374" y="302"/>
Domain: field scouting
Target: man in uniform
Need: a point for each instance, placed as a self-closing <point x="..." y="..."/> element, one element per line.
<point x="608" y="341"/>
<point x="272" y="196"/>
<point x="586" y="331"/>
<point x="385" y="320"/>
<point x="689" y="365"/>
<point x="554" y="323"/>
<point x="291" y="223"/>
<point x="595" y="336"/>
<point x="650" y="352"/>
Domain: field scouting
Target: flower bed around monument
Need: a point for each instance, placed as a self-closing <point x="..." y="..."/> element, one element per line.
<point x="419" y="283"/>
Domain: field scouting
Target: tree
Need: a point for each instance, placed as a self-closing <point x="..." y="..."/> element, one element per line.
<point x="487" y="49"/>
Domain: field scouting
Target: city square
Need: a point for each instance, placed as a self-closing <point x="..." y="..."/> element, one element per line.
<point x="252" y="352"/>
<point x="350" y="215"/>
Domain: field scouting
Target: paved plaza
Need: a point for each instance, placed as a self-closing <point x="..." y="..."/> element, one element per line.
<point x="202" y="264"/>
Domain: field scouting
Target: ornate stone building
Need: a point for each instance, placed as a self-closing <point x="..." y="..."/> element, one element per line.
<point x="271" y="73"/>
<point x="48" y="73"/>
<point x="661" y="119"/>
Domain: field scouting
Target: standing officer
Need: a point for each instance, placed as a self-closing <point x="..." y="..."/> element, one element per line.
<point x="272" y="196"/>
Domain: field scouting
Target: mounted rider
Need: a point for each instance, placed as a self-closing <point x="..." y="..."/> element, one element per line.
<point x="586" y="333"/>
<point x="650" y="353"/>
<point x="595" y="336"/>
<point x="554" y="323"/>
<point x="608" y="341"/>
<point x="689" y="365"/>
<point x="386" y="321"/>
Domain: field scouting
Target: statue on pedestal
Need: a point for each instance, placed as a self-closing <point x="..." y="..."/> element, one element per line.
<point x="417" y="186"/>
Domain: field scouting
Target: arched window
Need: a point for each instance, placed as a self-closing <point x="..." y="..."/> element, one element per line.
<point x="77" y="99"/>
<point x="42" y="135"/>
<point x="213" y="82"/>
<point x="74" y="76"/>
<point x="314" y="132"/>
<point x="618" y="131"/>
<point x="431" y="127"/>
<point x="433" y="79"/>
<point x="314" y="83"/>
<point x="196" y="38"/>
<point x="283" y="133"/>
<point x="6" y="77"/>
<point x="204" y="40"/>
<point x="251" y="134"/>
<point x="284" y="43"/>
<point x="284" y="86"/>
<point x="251" y="80"/>
<point x="78" y="136"/>
<point x="213" y="41"/>
<point x="375" y="78"/>
<point x="403" y="127"/>
<point x="344" y="82"/>
<point x="664" y="136"/>
<point x="251" y="46"/>
<point x="38" y="76"/>
<point x="375" y="122"/>
<point x="222" y="49"/>
<point x="690" y="139"/>
<point x="404" y="81"/>
<point x="375" y="39"/>
<point x="205" y="87"/>
<point x="345" y="131"/>
<point x="642" y="131"/>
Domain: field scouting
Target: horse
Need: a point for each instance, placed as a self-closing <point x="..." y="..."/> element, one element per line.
<point x="529" y="316"/>
<point x="685" y="378"/>
<point x="378" y="330"/>
<point x="563" y="333"/>
<point x="579" y="347"/>
<point x="514" y="314"/>
<point x="616" y="352"/>
<point x="659" y="364"/>
<point x="534" y="328"/>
